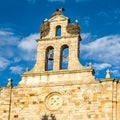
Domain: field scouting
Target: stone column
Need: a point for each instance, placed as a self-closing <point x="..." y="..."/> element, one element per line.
<point x="56" y="58"/>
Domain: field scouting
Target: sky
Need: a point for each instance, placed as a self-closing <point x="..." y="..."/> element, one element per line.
<point x="20" y="22"/>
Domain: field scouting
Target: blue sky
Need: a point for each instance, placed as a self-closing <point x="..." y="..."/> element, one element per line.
<point x="20" y="22"/>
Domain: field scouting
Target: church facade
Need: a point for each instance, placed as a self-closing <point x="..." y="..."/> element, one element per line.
<point x="58" y="93"/>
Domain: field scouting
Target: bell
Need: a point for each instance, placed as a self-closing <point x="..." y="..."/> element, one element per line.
<point x="50" y="57"/>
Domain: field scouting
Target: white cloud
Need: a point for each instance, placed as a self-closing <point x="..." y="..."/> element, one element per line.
<point x="8" y="38"/>
<point x="4" y="33"/>
<point x="16" y="69"/>
<point x="28" y="43"/>
<point x="85" y="36"/>
<point x="3" y="63"/>
<point x="12" y="48"/>
<point x="16" y="59"/>
<point x="116" y="73"/>
<point x="101" y="66"/>
<point x="28" y="46"/>
<point x="105" y="49"/>
<point x="28" y="56"/>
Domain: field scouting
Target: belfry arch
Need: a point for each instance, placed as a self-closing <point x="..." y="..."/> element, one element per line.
<point x="64" y="57"/>
<point x="49" y="58"/>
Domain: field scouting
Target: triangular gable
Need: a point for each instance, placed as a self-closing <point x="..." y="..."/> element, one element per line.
<point x="58" y="17"/>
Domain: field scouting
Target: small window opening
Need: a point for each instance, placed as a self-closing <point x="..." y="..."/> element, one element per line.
<point x="58" y="31"/>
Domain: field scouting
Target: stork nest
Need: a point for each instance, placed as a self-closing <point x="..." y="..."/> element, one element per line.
<point x="73" y="29"/>
<point x="56" y="13"/>
<point x="44" y="29"/>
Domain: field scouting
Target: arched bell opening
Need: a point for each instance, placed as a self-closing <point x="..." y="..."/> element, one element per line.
<point x="58" y="30"/>
<point x="49" y="58"/>
<point x="64" y="55"/>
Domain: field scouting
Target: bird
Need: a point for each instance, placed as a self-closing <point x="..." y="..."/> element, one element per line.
<point x="60" y="9"/>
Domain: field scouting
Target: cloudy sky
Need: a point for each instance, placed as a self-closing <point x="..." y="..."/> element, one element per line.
<point x="20" y="21"/>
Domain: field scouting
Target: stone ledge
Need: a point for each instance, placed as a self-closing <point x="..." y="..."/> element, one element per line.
<point x="57" y="38"/>
<point x="109" y="79"/>
<point x="32" y="73"/>
<point x="57" y="84"/>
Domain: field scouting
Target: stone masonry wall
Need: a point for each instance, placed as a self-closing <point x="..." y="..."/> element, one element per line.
<point x="5" y="103"/>
<point x="85" y="101"/>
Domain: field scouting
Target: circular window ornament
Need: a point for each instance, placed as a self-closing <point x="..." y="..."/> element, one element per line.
<point x="54" y="101"/>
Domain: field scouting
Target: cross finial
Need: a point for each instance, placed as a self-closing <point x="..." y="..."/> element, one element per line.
<point x="27" y="69"/>
<point x="90" y="65"/>
<point x="108" y="73"/>
<point x="9" y="82"/>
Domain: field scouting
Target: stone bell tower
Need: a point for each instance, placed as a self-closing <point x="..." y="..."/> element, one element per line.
<point x="57" y="34"/>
